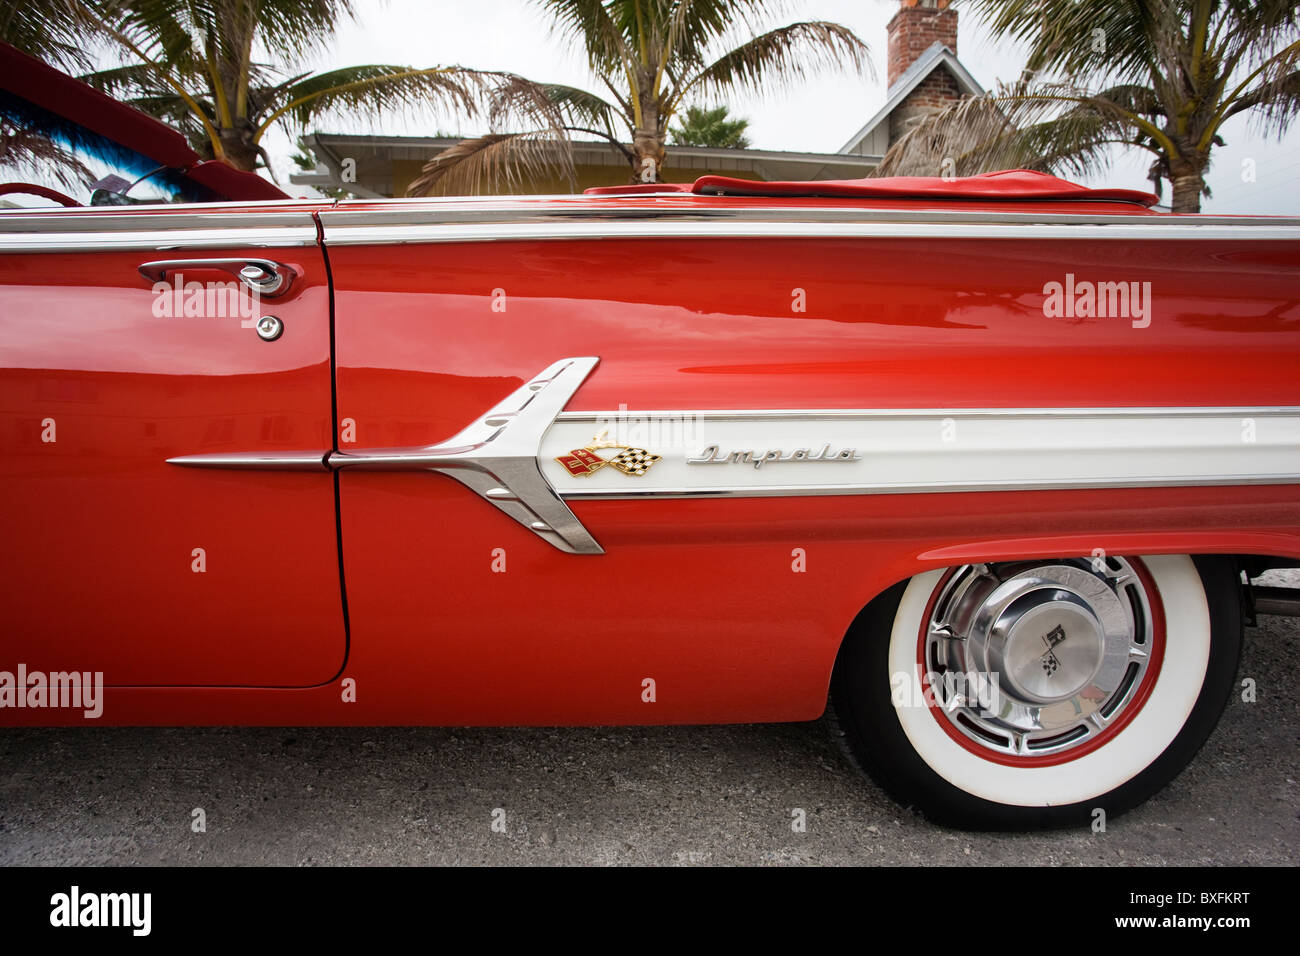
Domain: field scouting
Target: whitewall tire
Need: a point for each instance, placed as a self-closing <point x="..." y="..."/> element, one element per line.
<point x="1033" y="693"/>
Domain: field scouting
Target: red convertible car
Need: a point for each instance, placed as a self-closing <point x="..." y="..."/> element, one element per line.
<point x="985" y="463"/>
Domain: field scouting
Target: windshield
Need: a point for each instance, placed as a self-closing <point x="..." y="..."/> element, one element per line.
<point x="49" y="150"/>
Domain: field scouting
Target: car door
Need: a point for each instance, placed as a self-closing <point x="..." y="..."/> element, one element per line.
<point x="167" y="518"/>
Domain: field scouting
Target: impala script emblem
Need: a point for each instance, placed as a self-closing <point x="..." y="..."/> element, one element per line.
<point x="1052" y="638"/>
<point x="713" y="455"/>
<point x="582" y="462"/>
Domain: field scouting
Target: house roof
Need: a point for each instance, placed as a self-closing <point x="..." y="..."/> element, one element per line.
<point x="936" y="56"/>
<point x="373" y="156"/>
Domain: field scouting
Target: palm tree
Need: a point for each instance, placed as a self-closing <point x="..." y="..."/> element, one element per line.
<point x="650" y="56"/>
<point x="1159" y="75"/>
<point x="711" y="127"/>
<point x="194" y="64"/>
<point x="56" y="31"/>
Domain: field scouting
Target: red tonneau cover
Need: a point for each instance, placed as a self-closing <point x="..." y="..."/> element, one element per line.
<point x="1023" y="184"/>
<point x="54" y="91"/>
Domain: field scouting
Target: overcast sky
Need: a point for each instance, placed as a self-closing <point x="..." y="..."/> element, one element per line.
<point x="819" y="115"/>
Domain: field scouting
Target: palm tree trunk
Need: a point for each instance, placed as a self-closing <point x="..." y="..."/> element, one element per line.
<point x="648" y="149"/>
<point x="239" y="149"/>
<point x="1188" y="186"/>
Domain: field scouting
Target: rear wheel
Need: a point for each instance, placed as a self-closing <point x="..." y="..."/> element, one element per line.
<point x="1033" y="693"/>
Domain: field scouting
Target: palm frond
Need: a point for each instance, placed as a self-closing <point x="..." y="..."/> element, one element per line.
<point x="1249" y="32"/>
<point x="497" y="162"/>
<point x="375" y="90"/>
<point x="589" y="23"/>
<point x="779" y="57"/>
<point x="1060" y="34"/>
<point x="1048" y="127"/>
<point x="143" y="78"/>
<point x="56" y="31"/>
<point x="118" y="81"/>
<point x="521" y="104"/>
<point x="294" y="29"/>
<point x="1275" y="95"/>
<point x="165" y="33"/>
<point x="1129" y="97"/>
<point x="696" y="26"/>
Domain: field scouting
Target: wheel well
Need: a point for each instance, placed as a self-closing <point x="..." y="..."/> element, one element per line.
<point x="1256" y="564"/>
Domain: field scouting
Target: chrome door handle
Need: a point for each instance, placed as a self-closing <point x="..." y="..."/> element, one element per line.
<point x="258" y="275"/>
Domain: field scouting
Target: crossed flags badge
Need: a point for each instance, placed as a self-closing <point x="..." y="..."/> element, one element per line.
<point x="582" y="462"/>
<point x="1049" y="660"/>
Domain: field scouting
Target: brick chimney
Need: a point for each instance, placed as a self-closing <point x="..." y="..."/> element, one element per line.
<point x="915" y="27"/>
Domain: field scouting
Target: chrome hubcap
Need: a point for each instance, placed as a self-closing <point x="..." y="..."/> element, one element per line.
<point x="1034" y="658"/>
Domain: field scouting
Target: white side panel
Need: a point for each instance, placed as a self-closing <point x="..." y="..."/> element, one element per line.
<point x="863" y="452"/>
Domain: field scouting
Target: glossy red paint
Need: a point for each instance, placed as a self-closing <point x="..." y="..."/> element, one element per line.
<point x="727" y="631"/>
<point x="703" y="324"/>
<point x="697" y="595"/>
<point x="96" y="392"/>
<point x="700" y="324"/>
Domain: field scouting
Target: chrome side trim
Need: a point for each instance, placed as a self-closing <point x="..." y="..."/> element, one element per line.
<point x="505" y="211"/>
<point x="155" y="232"/>
<point x="505" y="457"/>
<point x="162" y="204"/>
<point x="497" y="457"/>
<point x="797" y="414"/>
<point x="668" y="219"/>
<point x="492" y="219"/>
<point x="346" y="235"/>
<point x="257" y="461"/>
<point x="806" y="491"/>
